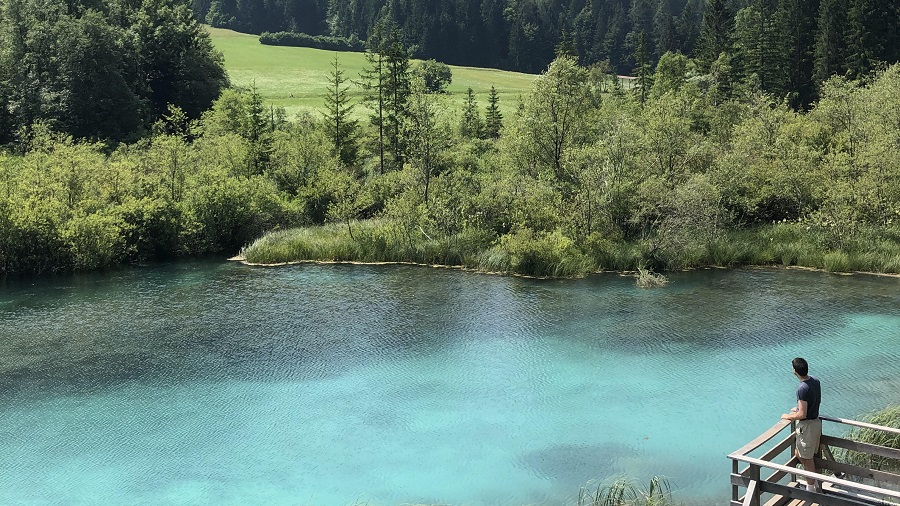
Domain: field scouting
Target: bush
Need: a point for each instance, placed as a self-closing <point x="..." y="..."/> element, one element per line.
<point x="314" y="41"/>
<point x="95" y="241"/>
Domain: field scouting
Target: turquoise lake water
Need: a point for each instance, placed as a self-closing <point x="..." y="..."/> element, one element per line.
<point x="217" y="383"/>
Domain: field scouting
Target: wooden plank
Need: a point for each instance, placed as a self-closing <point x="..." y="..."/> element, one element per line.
<point x="800" y="493"/>
<point x="832" y="491"/>
<point x="762" y="439"/>
<point x="777" y="501"/>
<point x="858" y="471"/>
<point x="780" y="500"/>
<point x="881" y="451"/>
<point x="863" y="425"/>
<point x="739" y="480"/>
<point x="825" y="479"/>
<point x="751" y="498"/>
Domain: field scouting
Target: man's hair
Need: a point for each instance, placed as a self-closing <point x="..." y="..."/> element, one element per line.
<point x="800" y="366"/>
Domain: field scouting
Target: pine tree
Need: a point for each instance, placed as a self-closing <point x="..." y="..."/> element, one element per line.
<point x="664" y="29"/>
<point x="396" y="59"/>
<point x="373" y="81"/>
<point x="643" y="71"/>
<point x="471" y="125"/>
<point x="715" y="33"/>
<point x="493" y="120"/>
<point x="257" y="132"/>
<point x="865" y="37"/>
<point x="831" y="47"/>
<point x="338" y="111"/>
<point x="796" y="25"/>
<point x="760" y="47"/>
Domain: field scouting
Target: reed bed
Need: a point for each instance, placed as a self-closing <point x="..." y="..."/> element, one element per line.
<point x="553" y="254"/>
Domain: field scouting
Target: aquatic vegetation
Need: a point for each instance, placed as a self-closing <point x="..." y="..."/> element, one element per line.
<point x="625" y="492"/>
<point x="649" y="279"/>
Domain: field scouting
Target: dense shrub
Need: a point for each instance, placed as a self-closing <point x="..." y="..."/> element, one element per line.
<point x="326" y="42"/>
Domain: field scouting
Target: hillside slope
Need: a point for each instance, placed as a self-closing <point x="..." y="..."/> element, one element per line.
<point x="296" y="78"/>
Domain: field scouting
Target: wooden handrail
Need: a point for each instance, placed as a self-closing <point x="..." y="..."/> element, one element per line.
<point x="816" y="476"/>
<point x="863" y="425"/>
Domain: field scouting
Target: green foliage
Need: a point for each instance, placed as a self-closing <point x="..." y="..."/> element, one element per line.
<point x="888" y="417"/>
<point x="315" y="41"/>
<point x="471" y="125"/>
<point x="539" y="254"/>
<point x="103" y="71"/>
<point x="493" y="118"/>
<point x="436" y="75"/>
<point x="338" y="114"/>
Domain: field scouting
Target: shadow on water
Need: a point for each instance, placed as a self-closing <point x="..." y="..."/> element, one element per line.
<point x="575" y="465"/>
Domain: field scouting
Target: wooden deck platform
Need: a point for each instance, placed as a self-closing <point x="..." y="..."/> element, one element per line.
<point x="842" y="484"/>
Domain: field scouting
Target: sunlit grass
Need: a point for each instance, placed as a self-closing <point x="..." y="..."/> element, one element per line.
<point x="888" y="417"/>
<point x="551" y="254"/>
<point x="296" y="78"/>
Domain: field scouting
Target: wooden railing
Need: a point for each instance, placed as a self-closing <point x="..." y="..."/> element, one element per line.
<point x="836" y="488"/>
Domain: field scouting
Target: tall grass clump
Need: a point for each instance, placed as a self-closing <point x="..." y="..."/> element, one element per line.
<point x="371" y="241"/>
<point x="541" y="254"/>
<point x="836" y="261"/>
<point x="626" y="493"/>
<point x="649" y="279"/>
<point x="888" y="417"/>
<point x="326" y="243"/>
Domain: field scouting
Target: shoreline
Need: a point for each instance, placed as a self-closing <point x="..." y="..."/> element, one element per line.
<point x="242" y="260"/>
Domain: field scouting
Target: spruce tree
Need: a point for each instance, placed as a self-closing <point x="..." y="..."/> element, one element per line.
<point x="796" y="22"/>
<point x="760" y="47"/>
<point x="493" y="120"/>
<point x="643" y="70"/>
<point x="715" y="33"/>
<point x="831" y="46"/>
<point x="257" y="131"/>
<point x="373" y="81"/>
<point x="870" y="27"/>
<point x="471" y="125"/>
<point x="338" y="111"/>
<point x="664" y="29"/>
<point x="397" y="92"/>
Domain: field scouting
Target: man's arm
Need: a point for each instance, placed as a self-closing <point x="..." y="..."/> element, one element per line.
<point x="799" y="413"/>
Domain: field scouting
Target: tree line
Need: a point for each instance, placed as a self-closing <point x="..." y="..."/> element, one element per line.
<point x="104" y="70"/>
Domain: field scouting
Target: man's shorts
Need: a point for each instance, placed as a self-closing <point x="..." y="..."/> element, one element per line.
<point x="808" y="434"/>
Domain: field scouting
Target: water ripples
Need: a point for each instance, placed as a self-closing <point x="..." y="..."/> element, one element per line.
<point x="326" y="384"/>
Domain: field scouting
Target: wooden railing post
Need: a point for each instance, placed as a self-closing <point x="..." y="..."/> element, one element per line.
<point x="793" y="446"/>
<point x="753" y="492"/>
<point x="734" y="488"/>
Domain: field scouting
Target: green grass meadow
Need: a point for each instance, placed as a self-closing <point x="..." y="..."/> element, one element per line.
<point x="296" y="78"/>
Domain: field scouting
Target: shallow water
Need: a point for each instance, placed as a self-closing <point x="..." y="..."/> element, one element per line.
<point x="209" y="383"/>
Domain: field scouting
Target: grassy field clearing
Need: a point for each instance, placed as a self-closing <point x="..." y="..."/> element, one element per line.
<point x="296" y="78"/>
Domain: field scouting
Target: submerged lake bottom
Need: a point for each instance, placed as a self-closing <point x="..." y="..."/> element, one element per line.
<point x="219" y="383"/>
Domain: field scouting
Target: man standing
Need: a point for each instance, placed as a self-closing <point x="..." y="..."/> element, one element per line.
<point x="806" y="413"/>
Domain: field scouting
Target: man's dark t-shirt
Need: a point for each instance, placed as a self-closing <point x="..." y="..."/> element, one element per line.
<point x="810" y="391"/>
